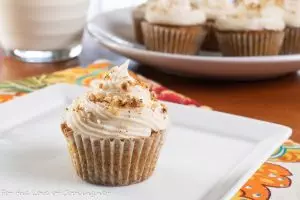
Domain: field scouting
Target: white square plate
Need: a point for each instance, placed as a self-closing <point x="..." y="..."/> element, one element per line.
<point x="207" y="156"/>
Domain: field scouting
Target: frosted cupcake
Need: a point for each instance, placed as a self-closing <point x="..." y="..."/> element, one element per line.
<point x="253" y="30"/>
<point x="173" y="26"/>
<point x="138" y="15"/>
<point x="115" y="132"/>
<point x="214" y="9"/>
<point x="291" y="44"/>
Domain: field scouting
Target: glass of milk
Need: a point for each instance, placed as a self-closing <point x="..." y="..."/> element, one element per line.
<point x="42" y="30"/>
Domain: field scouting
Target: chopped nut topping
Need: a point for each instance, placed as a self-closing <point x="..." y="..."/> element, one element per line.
<point x="142" y="84"/>
<point x="92" y="97"/>
<point x="96" y="98"/>
<point x="164" y="109"/>
<point x="134" y="102"/>
<point x="107" y="76"/>
<point x="107" y="99"/>
<point x="153" y="96"/>
<point x="124" y="86"/>
<point x="116" y="101"/>
<point x="78" y="108"/>
<point x="100" y="96"/>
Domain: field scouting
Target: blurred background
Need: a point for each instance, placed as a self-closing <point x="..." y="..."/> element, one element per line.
<point x="107" y="5"/>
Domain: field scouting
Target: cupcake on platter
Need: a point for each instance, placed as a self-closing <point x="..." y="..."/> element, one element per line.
<point x="174" y="26"/>
<point x="115" y="131"/>
<point x="254" y="29"/>
<point x="291" y="44"/>
<point x="138" y="15"/>
<point x="214" y="9"/>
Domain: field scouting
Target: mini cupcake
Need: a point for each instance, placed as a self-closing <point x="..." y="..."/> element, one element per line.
<point x="174" y="26"/>
<point x="291" y="44"/>
<point x="115" y="132"/>
<point x="214" y="9"/>
<point x="253" y="30"/>
<point x="138" y="15"/>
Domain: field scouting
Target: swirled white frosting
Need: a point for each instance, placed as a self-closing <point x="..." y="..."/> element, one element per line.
<point x="174" y="12"/>
<point x="215" y="8"/>
<point x="268" y="17"/>
<point x="292" y="13"/>
<point x="292" y="19"/>
<point x="119" y="106"/>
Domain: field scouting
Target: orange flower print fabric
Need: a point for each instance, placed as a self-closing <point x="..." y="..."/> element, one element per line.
<point x="289" y="153"/>
<point x="165" y="94"/>
<point x="269" y="175"/>
<point x="8" y="97"/>
<point x="240" y="196"/>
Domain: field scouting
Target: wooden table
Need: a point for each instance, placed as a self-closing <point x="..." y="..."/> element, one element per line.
<point x="276" y="100"/>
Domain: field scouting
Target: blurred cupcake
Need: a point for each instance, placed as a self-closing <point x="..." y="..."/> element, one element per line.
<point x="138" y="15"/>
<point x="253" y="30"/>
<point x="291" y="44"/>
<point x="115" y="132"/>
<point x="174" y="26"/>
<point x="214" y="9"/>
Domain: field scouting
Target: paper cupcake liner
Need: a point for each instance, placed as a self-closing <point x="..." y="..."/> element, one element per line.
<point x="291" y="44"/>
<point x="250" y="43"/>
<point x="173" y="39"/>
<point x="113" y="161"/>
<point x="137" y="27"/>
<point x="210" y="42"/>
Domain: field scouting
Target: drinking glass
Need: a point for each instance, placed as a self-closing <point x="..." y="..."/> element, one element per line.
<point x="42" y="30"/>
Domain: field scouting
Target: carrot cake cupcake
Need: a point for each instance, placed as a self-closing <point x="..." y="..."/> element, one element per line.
<point x="255" y="29"/>
<point x="115" y="132"/>
<point x="174" y="26"/>
<point x="138" y="15"/>
<point x="291" y="44"/>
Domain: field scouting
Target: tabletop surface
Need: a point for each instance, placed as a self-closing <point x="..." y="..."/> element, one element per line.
<point x="276" y="100"/>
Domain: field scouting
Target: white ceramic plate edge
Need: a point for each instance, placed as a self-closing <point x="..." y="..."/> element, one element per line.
<point x="126" y="47"/>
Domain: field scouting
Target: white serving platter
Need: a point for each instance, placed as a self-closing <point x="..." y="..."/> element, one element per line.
<point x="114" y="30"/>
<point x="208" y="155"/>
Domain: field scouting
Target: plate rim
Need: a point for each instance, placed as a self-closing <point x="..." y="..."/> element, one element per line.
<point x="269" y="144"/>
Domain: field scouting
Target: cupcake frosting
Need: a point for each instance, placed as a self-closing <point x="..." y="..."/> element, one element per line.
<point x="292" y="13"/>
<point x="253" y="16"/>
<point x="174" y="12"/>
<point x="215" y="8"/>
<point x="118" y="106"/>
